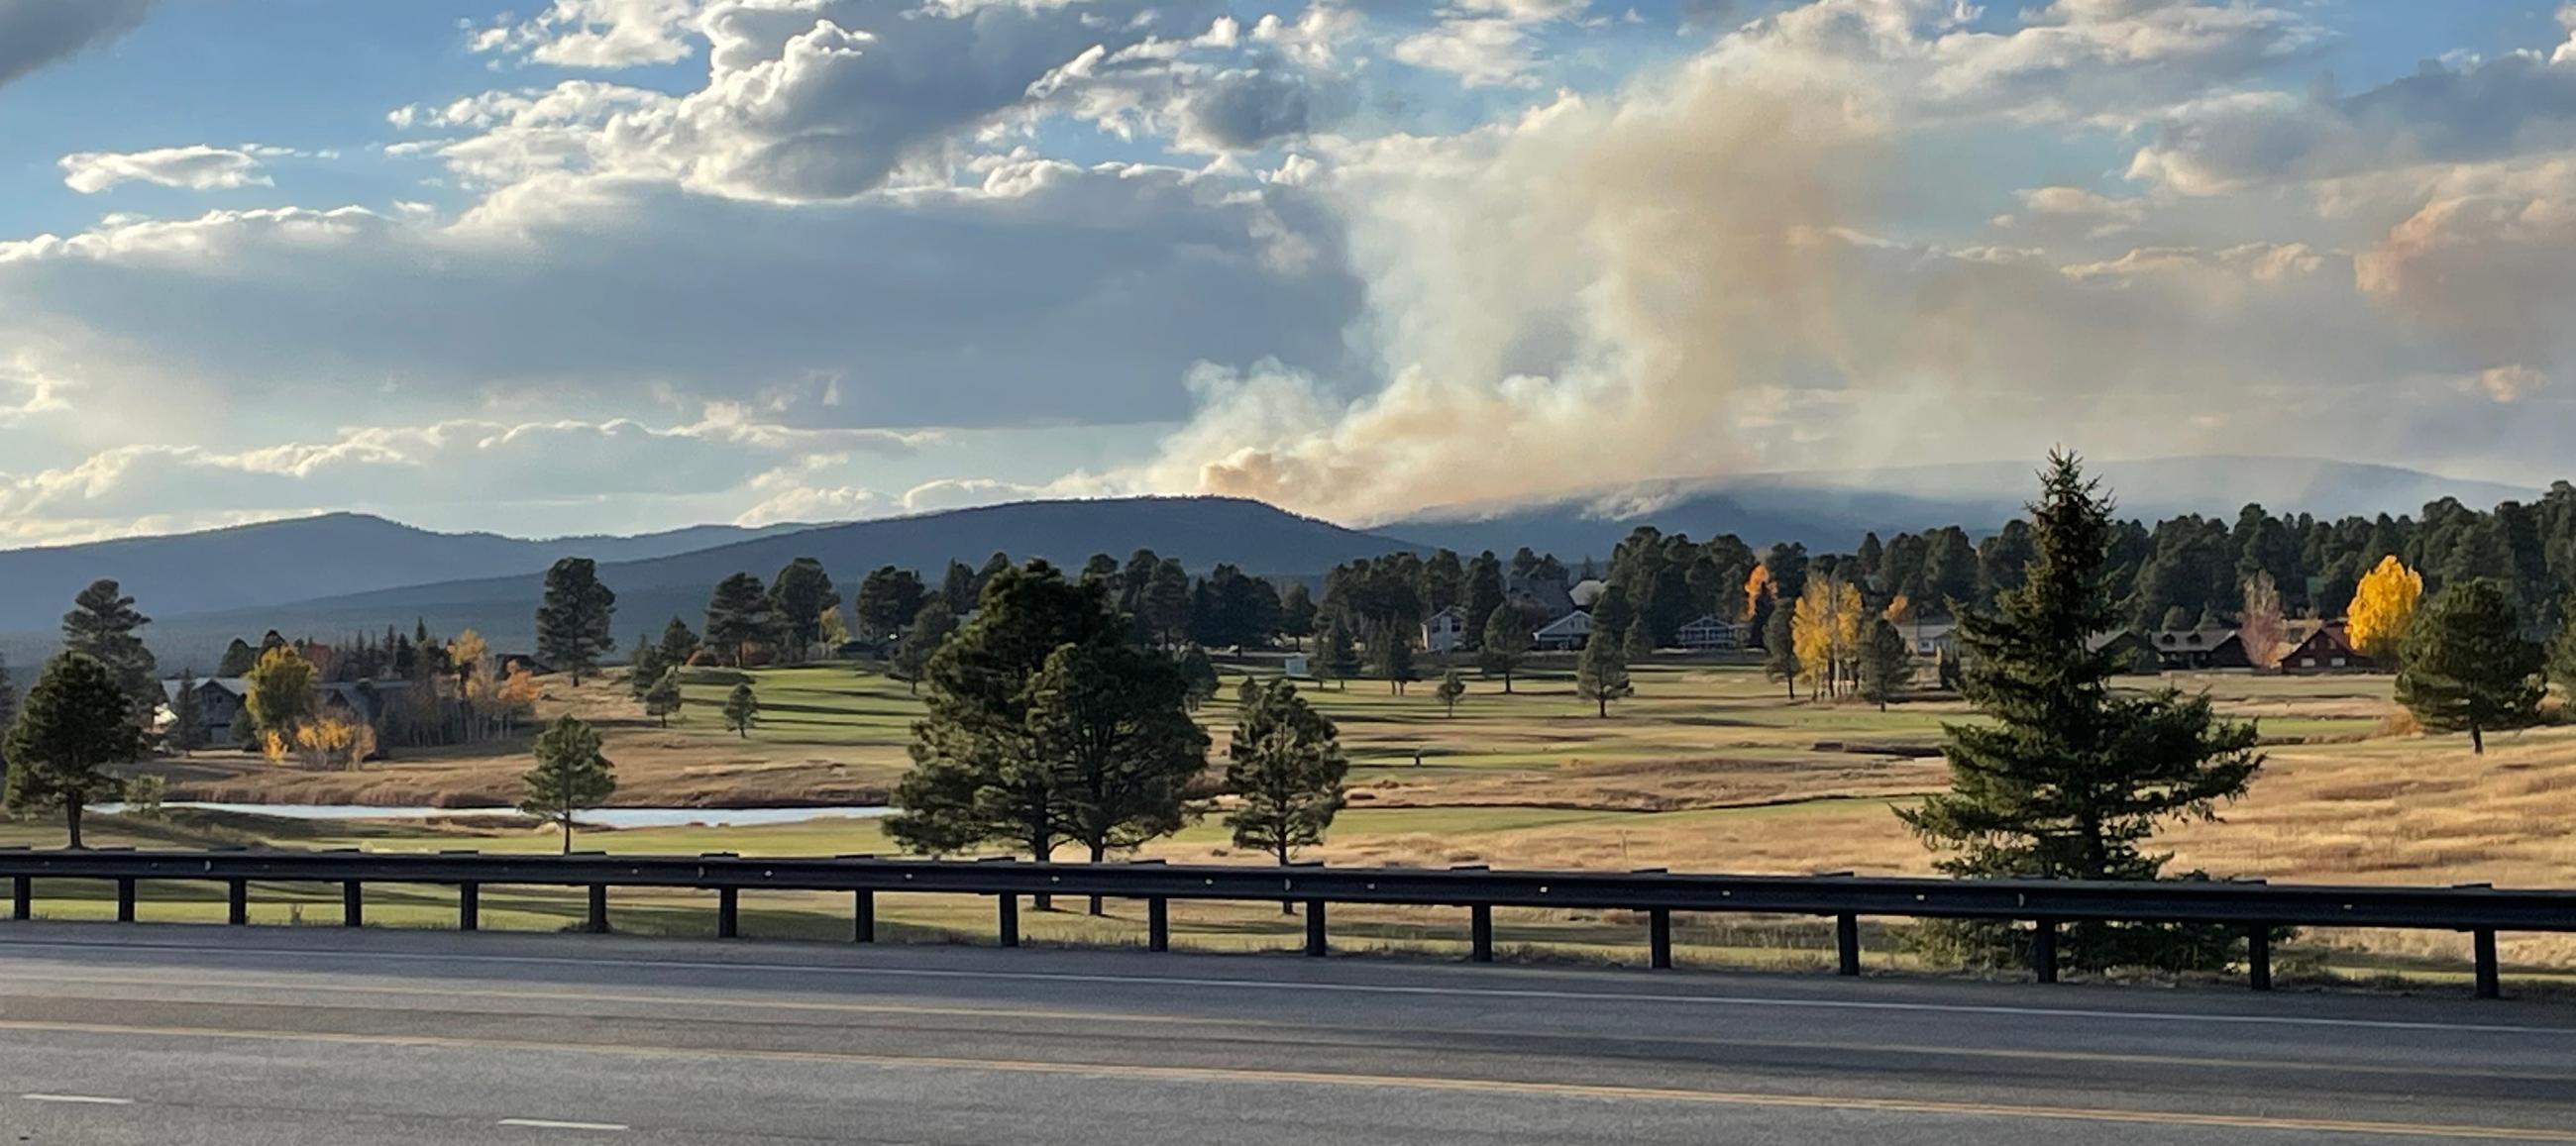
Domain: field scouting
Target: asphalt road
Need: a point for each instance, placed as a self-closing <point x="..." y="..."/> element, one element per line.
<point x="175" y="1034"/>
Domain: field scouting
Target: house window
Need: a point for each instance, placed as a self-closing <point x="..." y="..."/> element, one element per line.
<point x="2307" y="662"/>
<point x="2337" y="662"/>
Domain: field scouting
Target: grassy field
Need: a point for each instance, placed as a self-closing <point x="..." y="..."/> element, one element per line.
<point x="1710" y="768"/>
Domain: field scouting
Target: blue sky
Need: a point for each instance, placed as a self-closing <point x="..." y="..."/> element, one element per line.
<point x="616" y="265"/>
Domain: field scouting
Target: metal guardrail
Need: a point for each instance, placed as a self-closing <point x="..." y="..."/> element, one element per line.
<point x="2480" y="911"/>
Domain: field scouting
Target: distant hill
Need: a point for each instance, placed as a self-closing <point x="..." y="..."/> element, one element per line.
<point x="275" y="562"/>
<point x="1200" y="531"/>
<point x="1831" y="510"/>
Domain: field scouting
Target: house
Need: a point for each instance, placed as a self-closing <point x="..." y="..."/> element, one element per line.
<point x="220" y="701"/>
<point x="2186" y="649"/>
<point x="2329" y="649"/>
<point x="1932" y="639"/>
<point x="1445" y="631"/>
<point x="1710" y="635"/>
<point x="1565" y="633"/>
<point x="2137" y="654"/>
<point x="522" y="662"/>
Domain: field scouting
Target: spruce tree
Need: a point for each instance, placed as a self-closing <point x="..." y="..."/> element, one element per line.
<point x="1286" y="769"/>
<point x="2068" y="777"/>
<point x="2465" y="666"/>
<point x="1601" y="675"/>
<point x="573" y="620"/>
<point x="571" y="775"/>
<point x="76" y="721"/>
<point x="741" y="710"/>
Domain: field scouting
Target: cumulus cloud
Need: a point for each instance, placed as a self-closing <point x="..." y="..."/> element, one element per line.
<point x="197" y="168"/>
<point x="596" y="33"/>
<point x="36" y="33"/>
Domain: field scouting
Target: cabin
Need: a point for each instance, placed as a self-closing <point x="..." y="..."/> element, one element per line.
<point x="1565" y="633"/>
<point x="221" y="700"/>
<point x="2329" y="649"/>
<point x="1445" y="631"/>
<point x="2195" y="649"/>
<point x="2135" y="652"/>
<point x="1710" y="635"/>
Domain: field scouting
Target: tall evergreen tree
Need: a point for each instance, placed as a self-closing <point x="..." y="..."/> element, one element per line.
<point x="188" y="716"/>
<point x="804" y="592"/>
<point x="1286" y="769"/>
<point x="929" y="629"/>
<point x="887" y="600"/>
<point x="1390" y="657"/>
<point x="75" y="722"/>
<point x="1484" y="592"/>
<point x="1110" y="726"/>
<point x="1297" y="613"/>
<point x="1509" y="637"/>
<point x="644" y="667"/>
<point x="678" y="644"/>
<point x="8" y="710"/>
<point x="975" y="777"/>
<point x="957" y="587"/>
<point x="1198" y="676"/>
<point x="571" y="775"/>
<point x="573" y="620"/>
<point x="1601" y="674"/>
<point x="1886" y="663"/>
<point x="104" y="626"/>
<point x="1444" y="582"/>
<point x="1780" y="650"/>
<point x="1336" y="658"/>
<point x="2068" y="777"/>
<point x="741" y="617"/>
<point x="665" y="697"/>
<point x="2466" y="666"/>
<point x="237" y="659"/>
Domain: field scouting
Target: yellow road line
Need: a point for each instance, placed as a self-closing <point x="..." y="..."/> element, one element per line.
<point x="1359" y="1081"/>
<point x="926" y="1011"/>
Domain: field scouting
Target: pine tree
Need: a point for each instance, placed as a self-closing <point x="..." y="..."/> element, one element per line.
<point x="1453" y="688"/>
<point x="741" y="710"/>
<point x="1601" y="675"/>
<point x="1286" y="769"/>
<point x="1110" y="724"/>
<point x="1509" y="637"/>
<point x="1391" y="658"/>
<point x="237" y="660"/>
<point x="188" y="724"/>
<point x="571" y="775"/>
<point x="104" y="626"/>
<point x="1780" y="648"/>
<point x="573" y="621"/>
<point x="2069" y="777"/>
<point x="1335" y="658"/>
<point x="930" y="628"/>
<point x="1198" y="676"/>
<point x="644" y="668"/>
<point x="76" y="721"/>
<point x="8" y="710"/>
<point x="1297" y="613"/>
<point x="2466" y="667"/>
<point x="957" y="587"/>
<point x="975" y="779"/>
<point x="678" y="644"/>
<point x="740" y="617"/>
<point x="1886" y="664"/>
<point x="665" y="697"/>
<point x="804" y="593"/>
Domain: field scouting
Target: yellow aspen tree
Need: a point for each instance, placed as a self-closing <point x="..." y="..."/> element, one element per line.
<point x="1811" y="634"/>
<point x="2383" y="608"/>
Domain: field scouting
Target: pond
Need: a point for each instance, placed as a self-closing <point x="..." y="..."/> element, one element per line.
<point x="604" y="817"/>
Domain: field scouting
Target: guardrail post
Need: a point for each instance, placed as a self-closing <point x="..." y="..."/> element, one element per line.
<point x="2258" y="956"/>
<point x="353" y="904"/>
<point x="2490" y="981"/>
<point x="22" y="898"/>
<point x="1010" y="921"/>
<point x="125" y="899"/>
<point x="237" y="902"/>
<point x="1480" y="933"/>
<point x="1659" y="939"/>
<point x="1847" y="944"/>
<point x="1315" y="945"/>
<point x="1158" y="924"/>
<point x="469" y="906"/>
<point x="2043" y="951"/>
<point x="597" y="921"/>
<point x="728" y="912"/>
<point x="863" y="916"/>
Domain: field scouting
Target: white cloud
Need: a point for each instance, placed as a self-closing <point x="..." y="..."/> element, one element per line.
<point x="596" y="33"/>
<point x="198" y="168"/>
